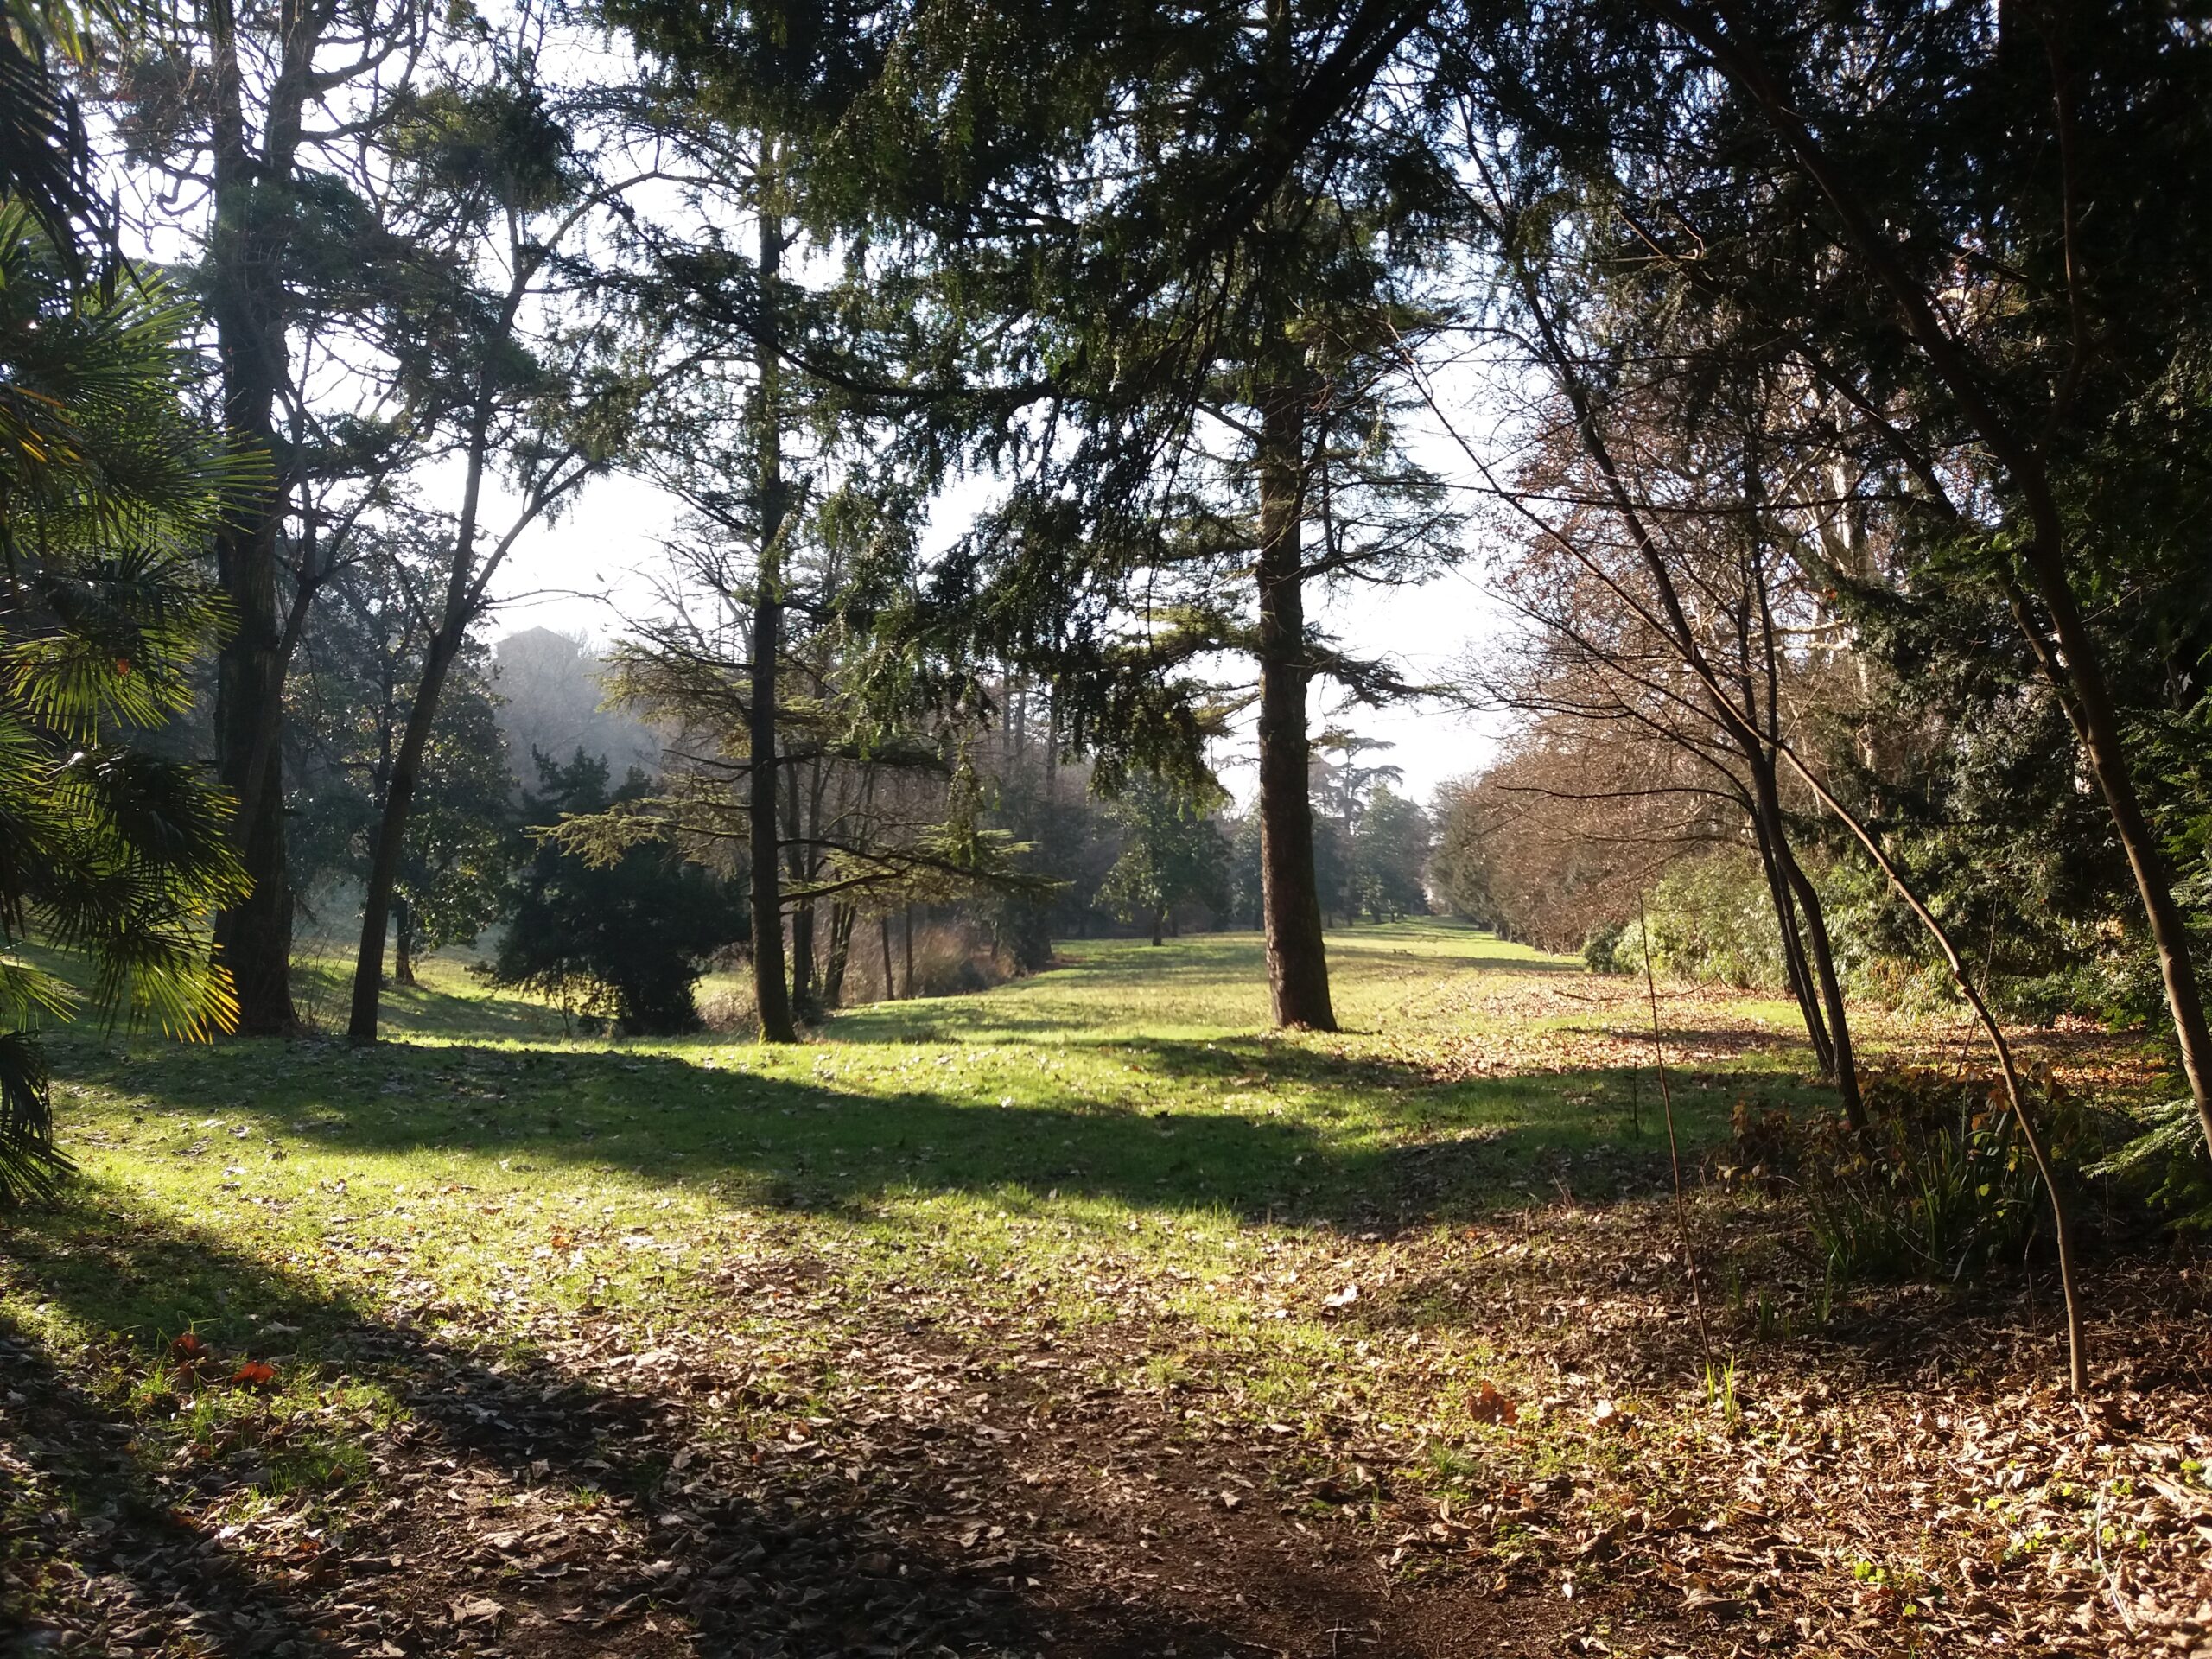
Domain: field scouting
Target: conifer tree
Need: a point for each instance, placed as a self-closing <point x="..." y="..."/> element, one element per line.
<point x="109" y="491"/>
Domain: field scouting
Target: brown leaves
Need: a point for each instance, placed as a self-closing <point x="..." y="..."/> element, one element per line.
<point x="1486" y="1404"/>
<point x="480" y="1612"/>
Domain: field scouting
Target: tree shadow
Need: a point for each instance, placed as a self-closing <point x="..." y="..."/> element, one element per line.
<point x="1368" y="1140"/>
<point x="545" y="1512"/>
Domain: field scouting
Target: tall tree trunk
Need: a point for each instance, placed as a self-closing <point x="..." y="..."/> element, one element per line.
<point x="883" y="931"/>
<point x="246" y="303"/>
<point x="1297" y="964"/>
<point x="403" y="942"/>
<point x="771" y="994"/>
<point x="841" y="918"/>
<point x="1843" y="1059"/>
<point x="910" y="952"/>
<point x="1159" y="924"/>
<point x="805" y="1002"/>
<point x="801" y="910"/>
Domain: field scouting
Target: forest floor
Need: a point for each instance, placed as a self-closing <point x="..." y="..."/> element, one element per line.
<point x="1077" y="1318"/>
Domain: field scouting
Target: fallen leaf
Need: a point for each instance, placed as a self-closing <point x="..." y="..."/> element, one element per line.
<point x="476" y="1610"/>
<point x="255" y="1374"/>
<point x="1488" y="1405"/>
<point x="1344" y="1298"/>
<point x="1699" y="1600"/>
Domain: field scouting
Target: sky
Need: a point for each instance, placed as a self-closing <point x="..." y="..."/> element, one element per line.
<point x="596" y="568"/>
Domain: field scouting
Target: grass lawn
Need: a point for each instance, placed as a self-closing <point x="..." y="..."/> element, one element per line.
<point x="1082" y="1316"/>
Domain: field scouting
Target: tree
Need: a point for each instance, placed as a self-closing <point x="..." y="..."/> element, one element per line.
<point x="1172" y="852"/>
<point x="621" y="937"/>
<point x="45" y="160"/>
<point x="507" y="186"/>
<point x="1389" y="856"/>
<point x="757" y="92"/>
<point x="349" y="695"/>
<point x="251" y="123"/>
<point x="109" y="491"/>
<point x="1147" y="297"/>
<point x="886" y="807"/>
<point x="1261" y="447"/>
<point x="1956" y="249"/>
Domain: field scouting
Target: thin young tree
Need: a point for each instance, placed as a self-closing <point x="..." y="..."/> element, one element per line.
<point x="510" y="175"/>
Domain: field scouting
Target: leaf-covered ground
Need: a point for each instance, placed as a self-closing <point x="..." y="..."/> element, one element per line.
<point x="1078" y="1318"/>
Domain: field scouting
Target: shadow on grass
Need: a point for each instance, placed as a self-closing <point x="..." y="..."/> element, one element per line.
<point x="1370" y="1141"/>
<point x="1129" y="982"/>
<point x="778" y="1557"/>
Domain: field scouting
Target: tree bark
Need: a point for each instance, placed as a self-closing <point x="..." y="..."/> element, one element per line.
<point x="1298" y="965"/>
<point x="771" y="993"/>
<point x="399" y="796"/>
<point x="2098" y="724"/>
<point x="883" y="931"/>
<point x="842" y="918"/>
<point x="407" y="765"/>
<point x="402" y="943"/>
<point x="246" y="303"/>
<point x="910" y="952"/>
<point x="1159" y="926"/>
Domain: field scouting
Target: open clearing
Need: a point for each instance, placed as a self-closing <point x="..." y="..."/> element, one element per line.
<point x="1074" y="1318"/>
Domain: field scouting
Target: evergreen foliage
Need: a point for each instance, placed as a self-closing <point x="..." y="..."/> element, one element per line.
<point x="109" y="846"/>
<point x="1172" y="853"/>
<point x="621" y="937"/>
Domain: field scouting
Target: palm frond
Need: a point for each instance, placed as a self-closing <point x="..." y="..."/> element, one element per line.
<point x="31" y="1166"/>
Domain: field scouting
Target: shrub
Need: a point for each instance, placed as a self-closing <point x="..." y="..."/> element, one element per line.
<point x="1601" y="951"/>
<point x="624" y="940"/>
<point x="2168" y="1156"/>
<point x="1941" y="1186"/>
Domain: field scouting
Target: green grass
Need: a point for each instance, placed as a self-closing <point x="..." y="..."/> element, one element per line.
<point x="1125" y="1113"/>
<point x="1330" y="1243"/>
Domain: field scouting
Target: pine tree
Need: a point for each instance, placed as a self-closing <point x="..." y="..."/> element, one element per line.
<point x="109" y="491"/>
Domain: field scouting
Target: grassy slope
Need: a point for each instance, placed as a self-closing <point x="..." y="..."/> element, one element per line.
<point x="1129" y="1086"/>
<point x="1111" y="1160"/>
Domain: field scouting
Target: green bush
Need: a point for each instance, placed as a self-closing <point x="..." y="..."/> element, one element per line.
<point x="2168" y="1159"/>
<point x="1711" y="921"/>
<point x="622" y="939"/>
<point x="1941" y="1186"/>
<point x="1601" y="950"/>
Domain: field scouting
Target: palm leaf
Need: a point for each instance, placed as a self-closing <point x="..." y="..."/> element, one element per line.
<point x="31" y="1166"/>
